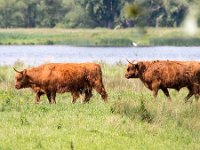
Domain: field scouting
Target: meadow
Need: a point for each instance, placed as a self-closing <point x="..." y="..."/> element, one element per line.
<point x="99" y="37"/>
<point x="131" y="119"/>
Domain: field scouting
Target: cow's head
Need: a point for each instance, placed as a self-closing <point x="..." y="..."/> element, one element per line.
<point x="21" y="79"/>
<point x="132" y="70"/>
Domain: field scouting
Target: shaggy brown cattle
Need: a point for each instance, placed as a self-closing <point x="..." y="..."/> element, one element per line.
<point x="52" y="78"/>
<point x="167" y="74"/>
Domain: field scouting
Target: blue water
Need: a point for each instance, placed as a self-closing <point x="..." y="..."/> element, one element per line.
<point x="35" y="55"/>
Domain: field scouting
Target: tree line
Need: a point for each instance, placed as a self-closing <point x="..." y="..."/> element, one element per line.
<point x="93" y="13"/>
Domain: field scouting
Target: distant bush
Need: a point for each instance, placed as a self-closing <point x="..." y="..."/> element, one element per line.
<point x="175" y="41"/>
<point x="115" y="42"/>
<point x="97" y="42"/>
<point x="129" y="109"/>
<point x="49" y="42"/>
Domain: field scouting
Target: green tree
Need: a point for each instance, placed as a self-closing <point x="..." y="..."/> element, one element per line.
<point x="94" y="13"/>
<point x="103" y="12"/>
<point x="31" y="13"/>
<point x="157" y="12"/>
<point x="12" y="13"/>
<point x="50" y="12"/>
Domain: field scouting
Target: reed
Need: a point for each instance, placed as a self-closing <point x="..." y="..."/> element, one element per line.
<point x="96" y="37"/>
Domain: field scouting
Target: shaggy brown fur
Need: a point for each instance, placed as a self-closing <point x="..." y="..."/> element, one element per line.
<point x="167" y="74"/>
<point x="52" y="78"/>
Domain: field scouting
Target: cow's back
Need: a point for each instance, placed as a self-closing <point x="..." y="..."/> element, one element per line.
<point x="60" y="77"/>
<point x="170" y="74"/>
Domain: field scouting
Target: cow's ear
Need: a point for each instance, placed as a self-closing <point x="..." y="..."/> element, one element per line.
<point x="137" y="66"/>
<point x="141" y="66"/>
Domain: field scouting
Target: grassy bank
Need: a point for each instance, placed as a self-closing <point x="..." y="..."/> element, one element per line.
<point x="98" y="37"/>
<point x="130" y="120"/>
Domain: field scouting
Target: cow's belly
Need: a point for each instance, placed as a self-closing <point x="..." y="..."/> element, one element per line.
<point x="63" y="89"/>
<point x="174" y="85"/>
<point x="71" y="87"/>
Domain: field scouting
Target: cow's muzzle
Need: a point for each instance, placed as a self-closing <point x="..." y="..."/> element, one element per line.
<point x="17" y="86"/>
<point x="127" y="76"/>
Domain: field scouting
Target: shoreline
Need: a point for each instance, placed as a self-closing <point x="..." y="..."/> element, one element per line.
<point x="131" y="37"/>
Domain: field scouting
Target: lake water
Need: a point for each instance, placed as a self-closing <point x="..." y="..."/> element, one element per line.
<point x="35" y="55"/>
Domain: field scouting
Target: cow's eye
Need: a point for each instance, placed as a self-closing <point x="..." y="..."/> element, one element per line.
<point x="19" y="79"/>
<point x="128" y="69"/>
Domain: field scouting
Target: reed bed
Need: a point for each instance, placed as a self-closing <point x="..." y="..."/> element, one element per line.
<point x="97" y="37"/>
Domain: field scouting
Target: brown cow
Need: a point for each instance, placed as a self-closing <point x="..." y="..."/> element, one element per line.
<point x="52" y="78"/>
<point x="167" y="74"/>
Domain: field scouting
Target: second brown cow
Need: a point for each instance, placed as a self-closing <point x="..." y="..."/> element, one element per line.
<point x="52" y="78"/>
<point x="167" y="74"/>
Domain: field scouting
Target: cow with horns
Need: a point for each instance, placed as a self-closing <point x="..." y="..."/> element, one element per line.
<point x="167" y="74"/>
<point x="52" y="78"/>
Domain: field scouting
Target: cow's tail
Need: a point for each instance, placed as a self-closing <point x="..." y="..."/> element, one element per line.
<point x="94" y="78"/>
<point x="99" y="86"/>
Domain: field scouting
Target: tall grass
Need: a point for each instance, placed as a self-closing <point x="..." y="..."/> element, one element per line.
<point x="131" y="119"/>
<point x="96" y="37"/>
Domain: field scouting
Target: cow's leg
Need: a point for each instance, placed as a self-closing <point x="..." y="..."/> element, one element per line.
<point x="155" y="93"/>
<point x="75" y="96"/>
<point x="196" y="97"/>
<point x="102" y="92"/>
<point x="155" y="88"/>
<point x="196" y="89"/>
<point x="99" y="87"/>
<point x="51" y="97"/>
<point x="188" y="96"/>
<point x="166" y="92"/>
<point x="88" y="95"/>
<point x="37" y="97"/>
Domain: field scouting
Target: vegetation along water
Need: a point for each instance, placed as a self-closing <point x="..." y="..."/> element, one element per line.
<point x="99" y="37"/>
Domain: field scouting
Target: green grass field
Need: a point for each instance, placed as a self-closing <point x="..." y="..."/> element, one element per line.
<point x="131" y="119"/>
<point x="99" y="37"/>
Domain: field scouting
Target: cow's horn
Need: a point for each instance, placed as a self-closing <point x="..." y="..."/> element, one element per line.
<point x="135" y="62"/>
<point x="17" y="70"/>
<point x="129" y="61"/>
